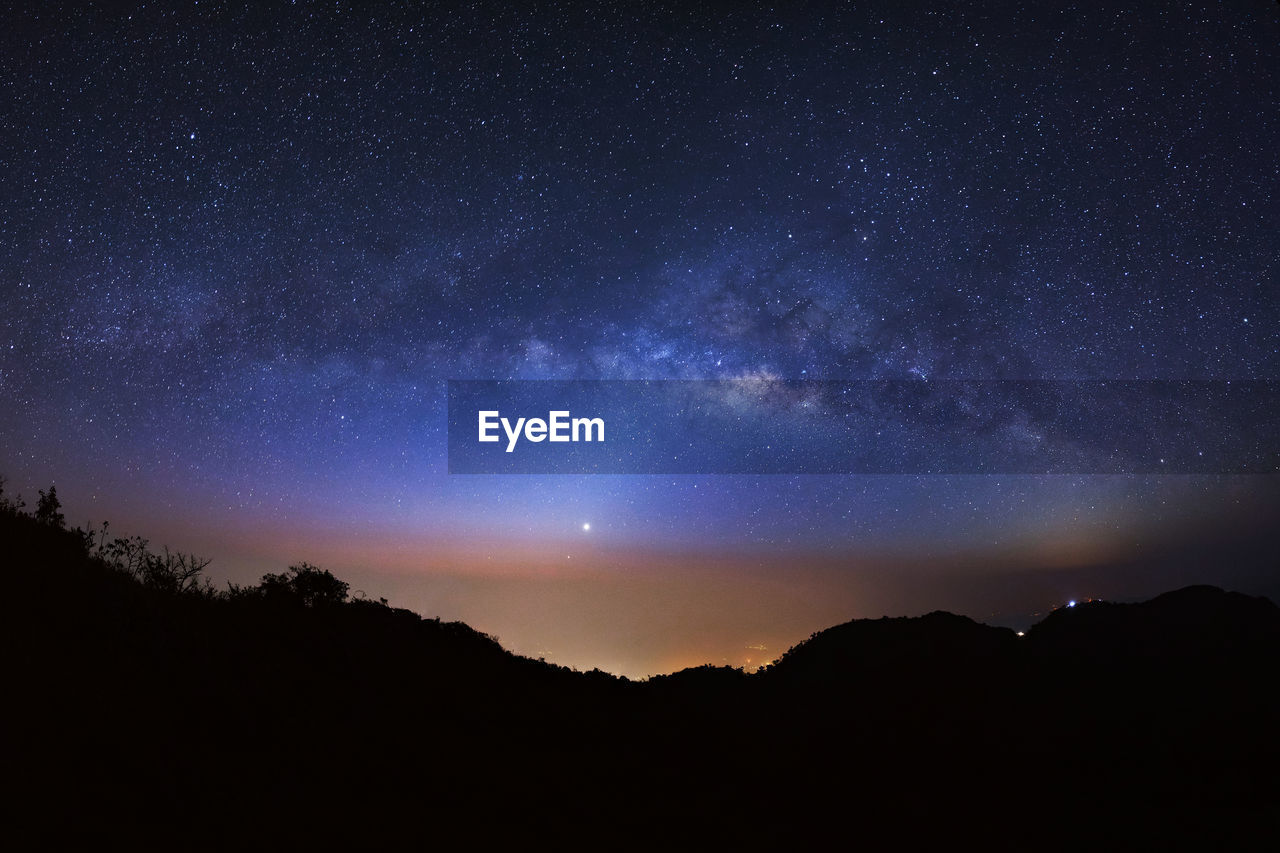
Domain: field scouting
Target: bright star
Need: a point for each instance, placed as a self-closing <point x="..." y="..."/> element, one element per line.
<point x="586" y="525"/>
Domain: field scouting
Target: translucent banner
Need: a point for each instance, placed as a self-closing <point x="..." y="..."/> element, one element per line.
<point x="772" y="426"/>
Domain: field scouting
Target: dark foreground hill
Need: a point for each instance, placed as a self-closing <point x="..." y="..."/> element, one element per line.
<point x="148" y="711"/>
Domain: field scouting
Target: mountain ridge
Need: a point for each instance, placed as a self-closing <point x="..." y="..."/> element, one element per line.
<point x="147" y="704"/>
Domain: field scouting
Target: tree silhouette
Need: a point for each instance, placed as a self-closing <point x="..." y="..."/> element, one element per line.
<point x="176" y="572"/>
<point x="49" y="509"/>
<point x="9" y="505"/>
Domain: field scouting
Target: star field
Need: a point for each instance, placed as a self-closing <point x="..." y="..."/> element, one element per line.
<point x="243" y="248"/>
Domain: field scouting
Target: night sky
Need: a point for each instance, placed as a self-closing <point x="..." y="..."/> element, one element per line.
<point x="243" y="249"/>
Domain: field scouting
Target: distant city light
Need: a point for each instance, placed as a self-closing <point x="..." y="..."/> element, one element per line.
<point x="1071" y="603"/>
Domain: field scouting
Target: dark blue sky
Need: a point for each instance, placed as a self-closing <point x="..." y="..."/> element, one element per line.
<point x="241" y="251"/>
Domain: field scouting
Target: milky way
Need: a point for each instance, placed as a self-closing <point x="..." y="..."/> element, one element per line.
<point x="242" y="250"/>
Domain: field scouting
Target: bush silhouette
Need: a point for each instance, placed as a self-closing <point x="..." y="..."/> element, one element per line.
<point x="307" y="583"/>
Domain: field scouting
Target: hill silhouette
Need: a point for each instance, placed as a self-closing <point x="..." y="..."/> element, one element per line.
<point x="150" y="708"/>
<point x="939" y="644"/>
<point x="1197" y="624"/>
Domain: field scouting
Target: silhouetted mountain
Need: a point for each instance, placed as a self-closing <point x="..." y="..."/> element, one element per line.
<point x="704" y="678"/>
<point x="1195" y="624"/>
<point x="938" y="645"/>
<point x="152" y="710"/>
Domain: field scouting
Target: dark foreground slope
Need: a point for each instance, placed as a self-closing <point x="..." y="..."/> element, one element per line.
<point x="180" y="720"/>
